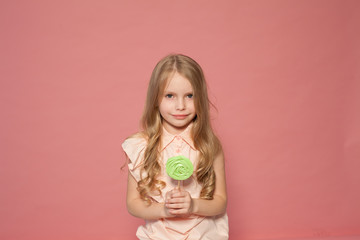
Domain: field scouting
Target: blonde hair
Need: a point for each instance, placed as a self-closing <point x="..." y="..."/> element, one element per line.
<point x="205" y="141"/>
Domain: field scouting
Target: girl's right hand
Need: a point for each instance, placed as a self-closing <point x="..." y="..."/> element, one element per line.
<point x="178" y="203"/>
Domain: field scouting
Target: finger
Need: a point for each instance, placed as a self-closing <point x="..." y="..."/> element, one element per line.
<point x="167" y="197"/>
<point x="178" y="198"/>
<point x="178" y="194"/>
<point x="176" y="201"/>
<point x="175" y="206"/>
<point x="178" y="204"/>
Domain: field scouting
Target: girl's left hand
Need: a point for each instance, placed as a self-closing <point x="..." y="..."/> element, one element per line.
<point x="179" y="202"/>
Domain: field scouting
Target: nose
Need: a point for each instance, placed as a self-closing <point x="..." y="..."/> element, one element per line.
<point x="180" y="104"/>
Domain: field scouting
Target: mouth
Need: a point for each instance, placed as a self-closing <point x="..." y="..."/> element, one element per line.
<point x="180" y="116"/>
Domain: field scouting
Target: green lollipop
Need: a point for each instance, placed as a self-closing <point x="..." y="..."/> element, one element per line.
<point x="179" y="168"/>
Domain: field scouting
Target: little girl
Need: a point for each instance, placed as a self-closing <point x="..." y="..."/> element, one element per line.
<point x="176" y="122"/>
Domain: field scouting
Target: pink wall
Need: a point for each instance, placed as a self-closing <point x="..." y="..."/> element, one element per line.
<point x="284" y="76"/>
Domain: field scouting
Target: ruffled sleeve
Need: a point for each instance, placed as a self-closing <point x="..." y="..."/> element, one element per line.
<point x="134" y="148"/>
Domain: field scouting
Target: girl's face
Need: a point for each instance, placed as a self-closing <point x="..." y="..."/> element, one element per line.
<point x="177" y="104"/>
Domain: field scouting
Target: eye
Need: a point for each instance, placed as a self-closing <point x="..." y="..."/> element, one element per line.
<point x="190" y="95"/>
<point x="169" y="95"/>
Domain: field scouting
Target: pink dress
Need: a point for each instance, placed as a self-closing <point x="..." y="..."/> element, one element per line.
<point x="191" y="228"/>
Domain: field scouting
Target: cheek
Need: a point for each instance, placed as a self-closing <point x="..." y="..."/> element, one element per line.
<point x="192" y="106"/>
<point x="163" y="107"/>
<point x="161" y="110"/>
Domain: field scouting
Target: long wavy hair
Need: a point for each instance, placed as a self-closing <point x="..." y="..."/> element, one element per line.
<point x="205" y="141"/>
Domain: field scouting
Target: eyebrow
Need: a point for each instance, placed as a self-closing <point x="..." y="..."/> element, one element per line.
<point x="171" y="92"/>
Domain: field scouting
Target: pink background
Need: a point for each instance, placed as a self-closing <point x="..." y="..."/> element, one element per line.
<point x="284" y="75"/>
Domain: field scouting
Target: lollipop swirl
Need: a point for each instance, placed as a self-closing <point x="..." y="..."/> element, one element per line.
<point x="179" y="168"/>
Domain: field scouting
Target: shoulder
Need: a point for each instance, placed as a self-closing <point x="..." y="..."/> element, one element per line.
<point x="134" y="148"/>
<point x="135" y="141"/>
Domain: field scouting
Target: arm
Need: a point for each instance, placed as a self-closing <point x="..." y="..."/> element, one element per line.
<point x="138" y="207"/>
<point x="180" y="202"/>
<point x="218" y="204"/>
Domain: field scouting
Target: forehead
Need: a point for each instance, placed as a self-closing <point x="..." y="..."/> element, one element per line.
<point x="177" y="83"/>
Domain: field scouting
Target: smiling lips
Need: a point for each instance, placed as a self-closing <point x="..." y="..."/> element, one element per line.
<point x="180" y="116"/>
